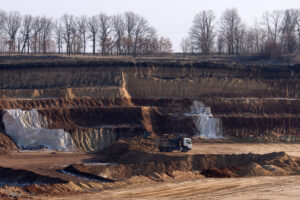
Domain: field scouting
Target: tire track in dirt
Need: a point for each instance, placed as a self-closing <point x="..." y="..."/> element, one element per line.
<point x="235" y="188"/>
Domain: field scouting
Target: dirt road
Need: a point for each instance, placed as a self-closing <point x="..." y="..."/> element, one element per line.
<point x="44" y="163"/>
<point x="239" y="148"/>
<point x="234" y="188"/>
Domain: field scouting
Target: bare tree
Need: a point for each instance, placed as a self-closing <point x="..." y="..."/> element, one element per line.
<point x="230" y="23"/>
<point x="288" y="28"/>
<point x="76" y="41"/>
<point x="93" y="25"/>
<point x="253" y="39"/>
<point x="129" y="33"/>
<point x="105" y="29"/>
<point x="130" y="24"/>
<point x="202" y="31"/>
<point x="298" y="29"/>
<point x="164" y="46"/>
<point x="68" y="25"/>
<point x="271" y="48"/>
<point x="272" y="23"/>
<point x="46" y="30"/>
<point x="58" y="35"/>
<point x="249" y="41"/>
<point x="153" y="45"/>
<point x="118" y="25"/>
<point x="12" y="26"/>
<point x="26" y="32"/>
<point x="36" y="28"/>
<point x="146" y="41"/>
<point x="184" y="46"/>
<point x="3" y="18"/>
<point x="239" y="38"/>
<point x="221" y="44"/>
<point x="141" y="30"/>
<point x="19" y="41"/>
<point x="81" y="23"/>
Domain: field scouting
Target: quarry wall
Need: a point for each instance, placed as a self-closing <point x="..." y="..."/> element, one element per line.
<point x="95" y="99"/>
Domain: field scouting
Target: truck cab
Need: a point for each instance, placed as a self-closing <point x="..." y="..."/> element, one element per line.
<point x="186" y="144"/>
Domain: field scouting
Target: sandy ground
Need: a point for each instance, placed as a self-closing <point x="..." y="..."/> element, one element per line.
<point x="286" y="187"/>
<point x="224" y="148"/>
<point x="234" y="188"/>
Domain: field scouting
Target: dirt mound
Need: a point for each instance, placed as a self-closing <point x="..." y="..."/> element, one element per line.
<point x="127" y="161"/>
<point x="115" y="150"/>
<point x="275" y="170"/>
<point x="118" y="172"/>
<point x="254" y="169"/>
<point x="123" y="149"/>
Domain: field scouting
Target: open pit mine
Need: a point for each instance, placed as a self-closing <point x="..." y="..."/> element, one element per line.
<point x="70" y="126"/>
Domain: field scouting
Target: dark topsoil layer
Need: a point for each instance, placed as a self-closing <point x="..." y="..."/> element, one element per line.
<point x="217" y="62"/>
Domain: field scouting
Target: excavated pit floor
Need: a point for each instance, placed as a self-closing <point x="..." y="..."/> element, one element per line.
<point x="49" y="164"/>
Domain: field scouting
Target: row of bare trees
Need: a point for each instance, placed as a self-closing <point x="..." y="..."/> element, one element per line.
<point x="126" y="33"/>
<point x="277" y="32"/>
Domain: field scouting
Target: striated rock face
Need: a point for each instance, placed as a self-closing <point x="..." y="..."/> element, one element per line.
<point x="98" y="102"/>
<point x="150" y="80"/>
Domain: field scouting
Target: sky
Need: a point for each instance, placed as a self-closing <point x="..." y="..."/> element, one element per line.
<point x="170" y="18"/>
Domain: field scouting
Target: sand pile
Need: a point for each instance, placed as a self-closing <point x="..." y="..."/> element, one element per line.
<point x="125" y="150"/>
<point x="254" y="169"/>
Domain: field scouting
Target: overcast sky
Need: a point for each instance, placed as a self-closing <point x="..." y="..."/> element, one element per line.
<point x="171" y="18"/>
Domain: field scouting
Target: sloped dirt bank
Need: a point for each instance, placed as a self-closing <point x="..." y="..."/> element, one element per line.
<point x="220" y="166"/>
<point x="131" y="161"/>
<point x="6" y="143"/>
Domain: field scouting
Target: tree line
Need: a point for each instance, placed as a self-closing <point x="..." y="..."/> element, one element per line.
<point x="276" y="33"/>
<point x="126" y="33"/>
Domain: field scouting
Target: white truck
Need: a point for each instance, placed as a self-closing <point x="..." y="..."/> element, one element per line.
<point x="181" y="143"/>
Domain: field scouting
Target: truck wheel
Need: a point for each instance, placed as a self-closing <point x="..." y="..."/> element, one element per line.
<point x="160" y="149"/>
<point x="184" y="149"/>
